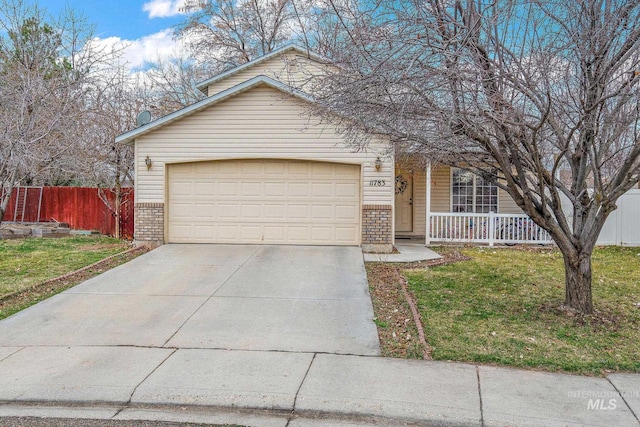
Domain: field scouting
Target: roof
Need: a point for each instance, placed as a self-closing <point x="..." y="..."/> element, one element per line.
<point x="207" y="102"/>
<point x="202" y="86"/>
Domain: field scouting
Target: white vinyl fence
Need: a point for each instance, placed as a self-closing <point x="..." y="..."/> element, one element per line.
<point x="623" y="225"/>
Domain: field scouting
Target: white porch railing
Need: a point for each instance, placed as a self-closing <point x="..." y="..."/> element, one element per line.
<point x="487" y="228"/>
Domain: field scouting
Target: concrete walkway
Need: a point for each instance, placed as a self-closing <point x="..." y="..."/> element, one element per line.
<point x="409" y="252"/>
<point x="155" y="345"/>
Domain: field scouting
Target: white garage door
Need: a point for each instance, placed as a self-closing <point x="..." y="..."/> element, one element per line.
<point x="264" y="201"/>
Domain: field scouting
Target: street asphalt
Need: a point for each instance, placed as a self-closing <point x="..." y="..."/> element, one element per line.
<point x="260" y="336"/>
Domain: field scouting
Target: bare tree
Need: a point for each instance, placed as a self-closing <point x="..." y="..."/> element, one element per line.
<point x="227" y="33"/>
<point x="41" y="73"/>
<point x="171" y="84"/>
<point x="113" y="100"/>
<point x="539" y="97"/>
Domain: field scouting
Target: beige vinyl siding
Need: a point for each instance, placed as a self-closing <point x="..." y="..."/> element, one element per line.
<point x="441" y="189"/>
<point x="419" y="202"/>
<point x="259" y="123"/>
<point x="506" y="205"/>
<point x="280" y="67"/>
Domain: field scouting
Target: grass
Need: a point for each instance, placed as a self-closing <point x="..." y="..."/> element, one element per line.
<point x="27" y="262"/>
<point x="502" y="307"/>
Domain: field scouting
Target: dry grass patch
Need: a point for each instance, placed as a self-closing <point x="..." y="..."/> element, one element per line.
<point x="396" y="326"/>
<point x="396" y="329"/>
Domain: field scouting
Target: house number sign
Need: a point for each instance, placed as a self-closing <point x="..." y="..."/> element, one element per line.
<point x="377" y="183"/>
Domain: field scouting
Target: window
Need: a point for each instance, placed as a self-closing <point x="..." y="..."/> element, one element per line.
<point x="471" y="193"/>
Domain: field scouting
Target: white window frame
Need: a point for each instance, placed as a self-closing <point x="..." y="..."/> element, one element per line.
<point x="474" y="186"/>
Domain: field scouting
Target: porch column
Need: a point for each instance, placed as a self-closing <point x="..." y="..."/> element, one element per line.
<point x="427" y="237"/>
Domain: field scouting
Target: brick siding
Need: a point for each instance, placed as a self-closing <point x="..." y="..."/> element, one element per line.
<point x="149" y="229"/>
<point x="376" y="228"/>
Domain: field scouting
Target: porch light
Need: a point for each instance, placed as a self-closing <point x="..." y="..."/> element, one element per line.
<point x="148" y="162"/>
<point x="378" y="164"/>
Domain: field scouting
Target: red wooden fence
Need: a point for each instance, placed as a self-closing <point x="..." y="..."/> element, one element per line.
<point x="80" y="207"/>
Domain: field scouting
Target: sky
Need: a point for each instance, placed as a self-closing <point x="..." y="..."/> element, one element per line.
<point x="144" y="25"/>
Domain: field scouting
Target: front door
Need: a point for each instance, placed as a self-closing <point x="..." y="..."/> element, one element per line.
<point x="404" y="202"/>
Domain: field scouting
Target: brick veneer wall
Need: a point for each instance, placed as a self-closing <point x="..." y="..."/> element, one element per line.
<point x="149" y="228"/>
<point x="376" y="228"/>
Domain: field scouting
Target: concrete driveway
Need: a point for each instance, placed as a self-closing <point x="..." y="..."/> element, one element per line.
<point x="239" y="297"/>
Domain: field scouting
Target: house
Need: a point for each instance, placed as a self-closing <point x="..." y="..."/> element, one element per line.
<point x="248" y="165"/>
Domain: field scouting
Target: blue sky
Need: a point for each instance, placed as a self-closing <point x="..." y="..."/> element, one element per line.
<point x="126" y="19"/>
<point x="144" y="25"/>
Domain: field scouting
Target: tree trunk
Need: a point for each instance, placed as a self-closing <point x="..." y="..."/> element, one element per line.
<point x="5" y="196"/>
<point x="577" y="271"/>
<point x="118" y="205"/>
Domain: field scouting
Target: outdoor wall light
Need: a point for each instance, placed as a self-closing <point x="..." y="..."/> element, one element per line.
<point x="378" y="164"/>
<point x="148" y="162"/>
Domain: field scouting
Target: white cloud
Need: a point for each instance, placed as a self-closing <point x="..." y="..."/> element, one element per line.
<point x="150" y="48"/>
<point x="138" y="53"/>
<point x="163" y="8"/>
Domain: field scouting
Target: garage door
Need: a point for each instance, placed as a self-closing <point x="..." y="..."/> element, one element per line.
<point x="264" y="201"/>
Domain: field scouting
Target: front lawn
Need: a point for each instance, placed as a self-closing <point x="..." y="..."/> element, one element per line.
<point x="28" y="265"/>
<point x="27" y="262"/>
<point x="502" y="307"/>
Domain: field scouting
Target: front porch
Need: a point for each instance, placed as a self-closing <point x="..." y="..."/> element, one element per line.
<point x="457" y="207"/>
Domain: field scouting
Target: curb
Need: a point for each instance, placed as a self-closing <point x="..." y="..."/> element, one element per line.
<point x="233" y="414"/>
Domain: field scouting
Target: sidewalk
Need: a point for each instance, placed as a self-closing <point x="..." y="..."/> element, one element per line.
<point x="262" y="388"/>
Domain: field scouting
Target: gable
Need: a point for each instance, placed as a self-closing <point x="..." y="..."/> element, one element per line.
<point x="207" y="102"/>
<point x="290" y="65"/>
<point x="289" y="69"/>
